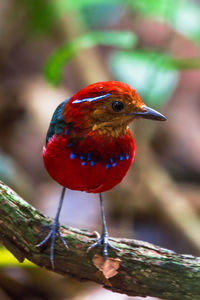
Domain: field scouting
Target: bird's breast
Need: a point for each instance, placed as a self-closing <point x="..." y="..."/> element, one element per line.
<point x="92" y="164"/>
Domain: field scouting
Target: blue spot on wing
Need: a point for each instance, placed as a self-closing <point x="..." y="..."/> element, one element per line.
<point x="91" y="99"/>
<point x="122" y="156"/>
<point x="88" y="156"/>
<point x="111" y="160"/>
<point x="66" y="132"/>
<point x="72" y="155"/>
<point x="108" y="166"/>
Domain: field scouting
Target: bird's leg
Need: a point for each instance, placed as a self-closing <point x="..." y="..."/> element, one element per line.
<point x="54" y="229"/>
<point x="104" y="239"/>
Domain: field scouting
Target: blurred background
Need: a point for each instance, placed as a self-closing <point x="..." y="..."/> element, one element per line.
<point x="49" y="49"/>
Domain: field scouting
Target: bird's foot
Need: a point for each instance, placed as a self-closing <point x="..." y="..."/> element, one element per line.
<point x="104" y="241"/>
<point x="52" y="235"/>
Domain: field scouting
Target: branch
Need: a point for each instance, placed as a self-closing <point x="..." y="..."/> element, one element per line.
<point x="144" y="269"/>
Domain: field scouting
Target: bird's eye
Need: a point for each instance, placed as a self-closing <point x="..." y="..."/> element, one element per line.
<point x="117" y="106"/>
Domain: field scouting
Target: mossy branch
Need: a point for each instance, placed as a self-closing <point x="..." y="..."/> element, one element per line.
<point x="144" y="269"/>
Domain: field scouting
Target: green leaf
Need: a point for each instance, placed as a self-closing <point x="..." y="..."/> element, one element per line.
<point x="150" y="73"/>
<point x="55" y="63"/>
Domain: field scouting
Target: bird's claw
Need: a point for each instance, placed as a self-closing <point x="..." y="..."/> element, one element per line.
<point x="52" y="234"/>
<point x="104" y="241"/>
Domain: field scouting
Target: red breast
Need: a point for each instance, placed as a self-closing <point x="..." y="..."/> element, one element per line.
<point x="79" y="171"/>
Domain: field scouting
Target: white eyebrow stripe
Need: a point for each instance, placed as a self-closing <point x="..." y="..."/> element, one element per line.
<point x="91" y="99"/>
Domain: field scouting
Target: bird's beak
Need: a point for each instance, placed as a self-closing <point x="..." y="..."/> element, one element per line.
<point x="149" y="113"/>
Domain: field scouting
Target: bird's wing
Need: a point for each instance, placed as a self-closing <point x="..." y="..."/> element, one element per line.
<point x="57" y="122"/>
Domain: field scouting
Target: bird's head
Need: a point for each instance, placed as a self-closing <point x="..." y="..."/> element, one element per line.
<point x="108" y="107"/>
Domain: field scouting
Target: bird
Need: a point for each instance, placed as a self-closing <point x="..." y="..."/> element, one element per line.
<point x="90" y="148"/>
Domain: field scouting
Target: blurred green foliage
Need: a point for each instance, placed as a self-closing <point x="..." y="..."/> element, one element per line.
<point x="151" y="73"/>
<point x="56" y="62"/>
<point x="182" y="15"/>
<point x="71" y="5"/>
<point x="40" y="14"/>
<point x="156" y="70"/>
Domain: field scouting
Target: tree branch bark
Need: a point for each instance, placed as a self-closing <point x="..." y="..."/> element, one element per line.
<point x="144" y="269"/>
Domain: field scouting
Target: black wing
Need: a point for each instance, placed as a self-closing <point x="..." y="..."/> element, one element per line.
<point x="57" y="123"/>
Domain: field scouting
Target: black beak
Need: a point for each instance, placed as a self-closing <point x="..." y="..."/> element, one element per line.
<point x="150" y="113"/>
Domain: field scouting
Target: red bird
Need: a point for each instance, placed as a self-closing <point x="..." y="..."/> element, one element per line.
<point x="89" y="146"/>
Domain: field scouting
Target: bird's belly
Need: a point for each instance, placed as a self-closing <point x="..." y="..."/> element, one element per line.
<point x="73" y="173"/>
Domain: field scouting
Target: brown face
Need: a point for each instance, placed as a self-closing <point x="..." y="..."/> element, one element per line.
<point x="115" y="110"/>
<point x="107" y="107"/>
<point x="120" y="110"/>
